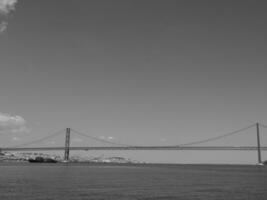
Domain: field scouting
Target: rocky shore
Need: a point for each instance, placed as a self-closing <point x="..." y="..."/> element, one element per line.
<point x="27" y="156"/>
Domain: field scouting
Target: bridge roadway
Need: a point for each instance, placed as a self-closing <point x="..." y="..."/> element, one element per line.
<point x="207" y="148"/>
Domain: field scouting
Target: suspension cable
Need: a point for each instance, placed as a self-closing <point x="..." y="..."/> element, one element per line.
<point x="99" y="139"/>
<point x="217" y="137"/>
<point x="262" y="125"/>
<point x="126" y="145"/>
<point x="39" y="140"/>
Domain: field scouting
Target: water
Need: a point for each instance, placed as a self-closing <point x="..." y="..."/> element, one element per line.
<point x="80" y="181"/>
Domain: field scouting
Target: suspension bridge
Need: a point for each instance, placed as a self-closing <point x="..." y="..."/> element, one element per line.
<point x="194" y="145"/>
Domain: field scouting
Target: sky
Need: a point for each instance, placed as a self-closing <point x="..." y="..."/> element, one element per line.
<point x="136" y="72"/>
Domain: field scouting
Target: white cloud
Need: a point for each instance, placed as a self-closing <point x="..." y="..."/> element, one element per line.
<point x="6" y="6"/>
<point x="12" y="124"/>
<point x="3" y="26"/>
<point x="106" y="137"/>
<point x="15" y="138"/>
<point x="22" y="129"/>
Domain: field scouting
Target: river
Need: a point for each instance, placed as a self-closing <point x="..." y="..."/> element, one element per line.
<point x="28" y="181"/>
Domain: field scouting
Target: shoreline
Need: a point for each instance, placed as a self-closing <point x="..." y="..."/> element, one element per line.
<point x="95" y="164"/>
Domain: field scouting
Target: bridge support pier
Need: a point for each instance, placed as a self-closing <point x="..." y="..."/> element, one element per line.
<point x="67" y="145"/>
<point x="258" y="144"/>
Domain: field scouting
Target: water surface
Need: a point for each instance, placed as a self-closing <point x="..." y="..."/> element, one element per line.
<point x="30" y="181"/>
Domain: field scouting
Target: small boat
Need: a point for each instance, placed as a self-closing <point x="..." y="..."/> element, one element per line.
<point x="42" y="160"/>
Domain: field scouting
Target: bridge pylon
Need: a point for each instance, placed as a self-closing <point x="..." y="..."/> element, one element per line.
<point x="258" y="144"/>
<point x="67" y="145"/>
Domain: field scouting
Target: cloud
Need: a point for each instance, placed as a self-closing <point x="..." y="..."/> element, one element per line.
<point x="12" y="124"/>
<point x="6" y="6"/>
<point x="106" y="137"/>
<point x="15" y="138"/>
<point x="3" y="26"/>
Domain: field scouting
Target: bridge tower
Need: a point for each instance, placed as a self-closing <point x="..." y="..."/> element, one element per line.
<point x="258" y="143"/>
<point x="67" y="145"/>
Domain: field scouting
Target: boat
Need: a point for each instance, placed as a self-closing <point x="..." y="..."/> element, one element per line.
<point x="42" y="160"/>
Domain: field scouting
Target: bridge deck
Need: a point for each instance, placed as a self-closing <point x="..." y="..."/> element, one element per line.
<point x="206" y="148"/>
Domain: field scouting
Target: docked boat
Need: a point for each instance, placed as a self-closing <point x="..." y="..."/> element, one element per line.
<point x="42" y="160"/>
